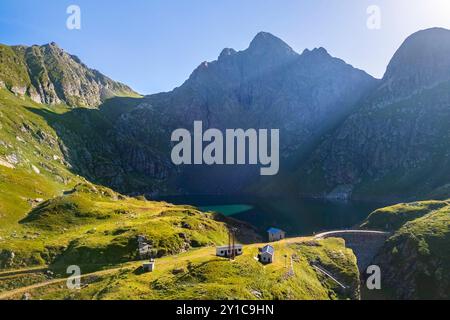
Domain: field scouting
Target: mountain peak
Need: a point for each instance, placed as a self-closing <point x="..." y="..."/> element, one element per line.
<point x="436" y="31"/>
<point x="52" y="45"/>
<point x="266" y="42"/>
<point x="49" y="75"/>
<point x="320" y="52"/>
<point x="422" y="60"/>
<point x="226" y="52"/>
<point x="433" y="39"/>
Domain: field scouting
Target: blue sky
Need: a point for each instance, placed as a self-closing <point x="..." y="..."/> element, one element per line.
<point x="153" y="45"/>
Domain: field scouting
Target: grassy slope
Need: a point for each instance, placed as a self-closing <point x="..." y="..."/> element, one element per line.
<point x="198" y="274"/>
<point x="13" y="70"/>
<point x="27" y="143"/>
<point x="16" y="281"/>
<point x="394" y="217"/>
<point x="416" y="260"/>
<point x="95" y="227"/>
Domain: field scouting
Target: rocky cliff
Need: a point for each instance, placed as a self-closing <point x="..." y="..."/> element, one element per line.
<point x="47" y="74"/>
<point x="267" y="86"/>
<point x="395" y="145"/>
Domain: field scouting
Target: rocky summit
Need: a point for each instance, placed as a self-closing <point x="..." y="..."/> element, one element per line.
<point x="267" y="85"/>
<point x="47" y="74"/>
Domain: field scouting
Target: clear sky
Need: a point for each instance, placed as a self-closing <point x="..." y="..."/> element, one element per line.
<point x="153" y="45"/>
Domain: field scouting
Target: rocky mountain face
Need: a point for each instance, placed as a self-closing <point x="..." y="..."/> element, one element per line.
<point x="396" y="143"/>
<point x="95" y="147"/>
<point x="267" y="86"/>
<point x="421" y="62"/>
<point x="47" y="74"/>
<point x="343" y="134"/>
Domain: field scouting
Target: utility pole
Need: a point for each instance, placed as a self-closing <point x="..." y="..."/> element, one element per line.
<point x="232" y="242"/>
<point x="229" y="243"/>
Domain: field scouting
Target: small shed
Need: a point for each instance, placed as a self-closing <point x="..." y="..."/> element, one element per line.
<point x="226" y="251"/>
<point x="266" y="254"/>
<point x="276" y="234"/>
<point x="149" y="266"/>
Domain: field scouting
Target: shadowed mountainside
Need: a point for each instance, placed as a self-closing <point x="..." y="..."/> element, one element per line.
<point x="395" y="145"/>
<point x="265" y="86"/>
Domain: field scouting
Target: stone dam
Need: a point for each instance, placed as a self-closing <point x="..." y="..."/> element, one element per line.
<point x="364" y="243"/>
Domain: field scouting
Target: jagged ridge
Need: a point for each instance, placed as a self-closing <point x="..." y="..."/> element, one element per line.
<point x="47" y="74"/>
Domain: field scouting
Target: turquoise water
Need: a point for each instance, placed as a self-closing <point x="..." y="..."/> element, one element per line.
<point x="294" y="215"/>
<point x="228" y="210"/>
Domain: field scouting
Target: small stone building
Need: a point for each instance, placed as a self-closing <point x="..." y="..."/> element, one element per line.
<point x="226" y="251"/>
<point x="266" y="254"/>
<point x="276" y="234"/>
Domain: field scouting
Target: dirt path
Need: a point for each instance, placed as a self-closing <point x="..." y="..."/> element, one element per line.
<point x="18" y="291"/>
<point x="22" y="271"/>
<point x="165" y="262"/>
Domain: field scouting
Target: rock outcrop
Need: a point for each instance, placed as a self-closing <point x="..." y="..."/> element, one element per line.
<point x="47" y="74"/>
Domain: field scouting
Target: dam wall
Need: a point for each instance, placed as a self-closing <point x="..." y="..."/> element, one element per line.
<point x="364" y="243"/>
